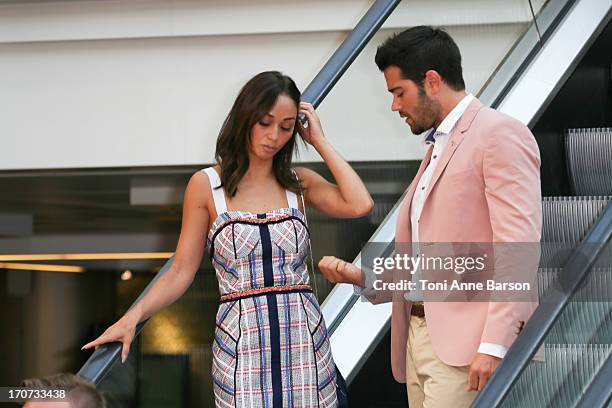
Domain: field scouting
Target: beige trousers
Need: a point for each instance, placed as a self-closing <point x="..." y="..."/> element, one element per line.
<point x="430" y="382"/>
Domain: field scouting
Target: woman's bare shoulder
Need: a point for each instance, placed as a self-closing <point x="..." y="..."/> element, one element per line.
<point x="199" y="188"/>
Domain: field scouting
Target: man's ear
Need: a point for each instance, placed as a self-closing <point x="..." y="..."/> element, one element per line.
<point x="432" y="82"/>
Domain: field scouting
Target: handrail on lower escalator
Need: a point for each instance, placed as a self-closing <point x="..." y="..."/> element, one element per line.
<point x="102" y="359"/>
<point x="599" y="392"/>
<point x="574" y="274"/>
<point x="100" y="362"/>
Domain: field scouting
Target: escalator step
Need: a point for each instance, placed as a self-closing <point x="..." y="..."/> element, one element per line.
<point x="589" y="160"/>
<point x="565" y="222"/>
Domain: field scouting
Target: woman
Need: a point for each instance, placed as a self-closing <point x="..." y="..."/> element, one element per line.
<point x="271" y="347"/>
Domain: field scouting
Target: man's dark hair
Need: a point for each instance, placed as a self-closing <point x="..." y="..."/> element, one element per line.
<point x="80" y="392"/>
<point x="419" y="49"/>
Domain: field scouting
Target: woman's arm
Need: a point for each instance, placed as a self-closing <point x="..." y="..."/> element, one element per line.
<point x="189" y="251"/>
<point x="349" y="197"/>
<point x="187" y="258"/>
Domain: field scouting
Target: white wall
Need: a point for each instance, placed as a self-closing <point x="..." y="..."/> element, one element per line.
<point x="148" y="83"/>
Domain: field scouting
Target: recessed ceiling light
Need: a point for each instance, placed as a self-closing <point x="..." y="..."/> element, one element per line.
<point x="126" y="275"/>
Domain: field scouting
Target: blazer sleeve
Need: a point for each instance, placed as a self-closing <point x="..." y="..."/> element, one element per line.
<point x="511" y="170"/>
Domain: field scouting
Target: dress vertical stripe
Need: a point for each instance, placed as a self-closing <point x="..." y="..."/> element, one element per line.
<point x="275" y="348"/>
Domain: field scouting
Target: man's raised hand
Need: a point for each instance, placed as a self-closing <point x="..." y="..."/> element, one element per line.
<point x="338" y="271"/>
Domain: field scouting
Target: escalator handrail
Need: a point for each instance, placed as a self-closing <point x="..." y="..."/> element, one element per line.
<point x="599" y="392"/>
<point x="102" y="359"/>
<point x="573" y="275"/>
<point x="346" y="53"/>
<point x="523" y="52"/>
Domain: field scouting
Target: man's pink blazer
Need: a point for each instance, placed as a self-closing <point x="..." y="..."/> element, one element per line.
<point x="486" y="188"/>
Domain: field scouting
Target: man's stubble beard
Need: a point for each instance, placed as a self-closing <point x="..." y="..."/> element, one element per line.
<point x="427" y="111"/>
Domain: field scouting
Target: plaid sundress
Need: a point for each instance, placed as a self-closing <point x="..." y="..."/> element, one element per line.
<point x="271" y="347"/>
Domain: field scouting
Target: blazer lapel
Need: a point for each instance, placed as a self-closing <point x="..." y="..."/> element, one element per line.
<point x="454" y="140"/>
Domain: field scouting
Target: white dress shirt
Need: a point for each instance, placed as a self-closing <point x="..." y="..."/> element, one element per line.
<point x="441" y="136"/>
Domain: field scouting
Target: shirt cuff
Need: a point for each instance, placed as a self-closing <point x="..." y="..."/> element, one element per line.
<point x="495" y="350"/>
<point x="369" y="277"/>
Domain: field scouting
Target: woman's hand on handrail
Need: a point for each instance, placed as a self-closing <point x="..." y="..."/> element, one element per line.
<point x="122" y="331"/>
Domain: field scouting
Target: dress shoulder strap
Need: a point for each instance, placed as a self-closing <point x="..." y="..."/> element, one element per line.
<point x="292" y="199"/>
<point x="217" y="193"/>
<point x="291" y="196"/>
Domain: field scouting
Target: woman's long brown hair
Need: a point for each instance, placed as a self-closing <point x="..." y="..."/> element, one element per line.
<point x="254" y="101"/>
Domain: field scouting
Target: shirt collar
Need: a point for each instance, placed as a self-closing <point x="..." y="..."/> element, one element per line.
<point x="449" y="122"/>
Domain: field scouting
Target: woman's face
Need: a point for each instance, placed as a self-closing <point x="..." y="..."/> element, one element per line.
<point x="274" y="129"/>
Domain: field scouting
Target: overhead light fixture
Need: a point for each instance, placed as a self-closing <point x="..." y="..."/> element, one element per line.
<point x="85" y="256"/>
<point x="126" y="275"/>
<point x="41" y="267"/>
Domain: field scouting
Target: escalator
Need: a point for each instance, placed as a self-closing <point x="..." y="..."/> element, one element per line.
<point x="574" y="320"/>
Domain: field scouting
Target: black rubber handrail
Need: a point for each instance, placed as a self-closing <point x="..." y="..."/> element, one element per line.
<point x="599" y="392"/>
<point x="103" y="358"/>
<point x="350" y="48"/>
<point x="572" y="277"/>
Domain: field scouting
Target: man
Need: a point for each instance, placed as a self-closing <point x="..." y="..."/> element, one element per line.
<point x="80" y="393"/>
<point x="479" y="182"/>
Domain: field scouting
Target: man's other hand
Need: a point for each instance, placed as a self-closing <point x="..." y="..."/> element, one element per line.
<point x="481" y="369"/>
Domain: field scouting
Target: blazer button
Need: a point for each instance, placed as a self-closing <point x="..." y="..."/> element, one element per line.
<point x="520" y="327"/>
